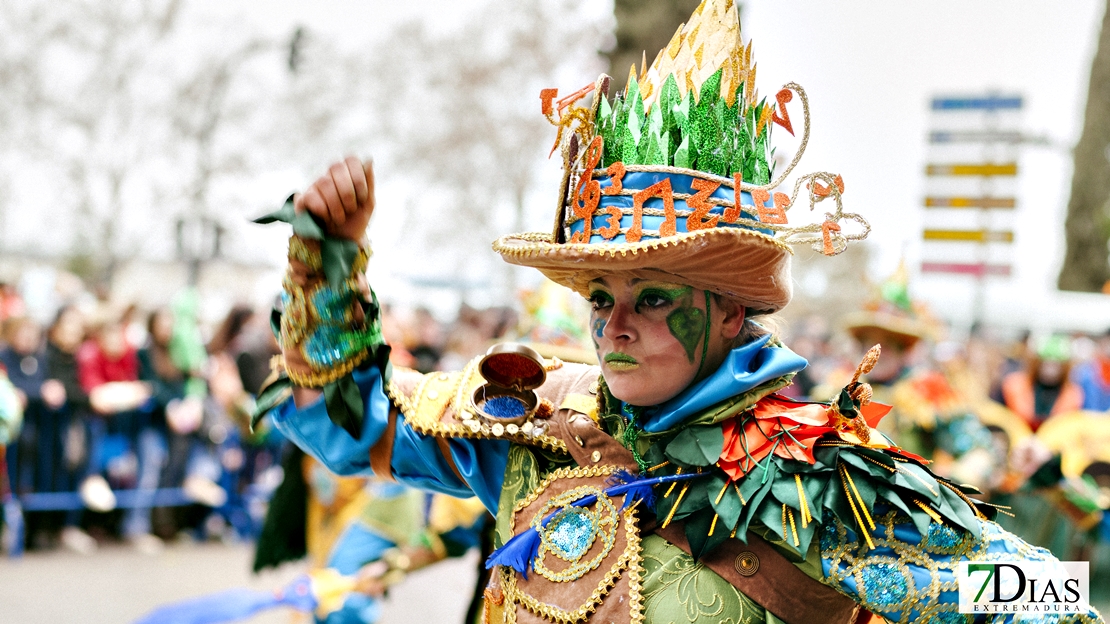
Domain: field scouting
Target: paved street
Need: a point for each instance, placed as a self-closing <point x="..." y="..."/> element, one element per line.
<point x="117" y="585"/>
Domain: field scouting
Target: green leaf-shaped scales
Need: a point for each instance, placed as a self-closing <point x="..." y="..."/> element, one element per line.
<point x="698" y="130"/>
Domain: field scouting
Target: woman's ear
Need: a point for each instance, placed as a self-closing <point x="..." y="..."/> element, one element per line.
<point x="732" y="317"/>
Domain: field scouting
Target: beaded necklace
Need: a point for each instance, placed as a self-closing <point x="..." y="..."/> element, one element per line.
<point x="631" y="432"/>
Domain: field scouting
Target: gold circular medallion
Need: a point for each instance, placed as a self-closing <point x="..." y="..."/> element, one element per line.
<point x="746" y="563"/>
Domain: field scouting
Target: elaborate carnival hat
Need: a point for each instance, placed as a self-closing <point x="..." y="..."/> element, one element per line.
<point x="674" y="178"/>
<point x="892" y="314"/>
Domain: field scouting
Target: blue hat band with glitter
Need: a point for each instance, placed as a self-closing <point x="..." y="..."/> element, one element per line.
<point x="654" y="215"/>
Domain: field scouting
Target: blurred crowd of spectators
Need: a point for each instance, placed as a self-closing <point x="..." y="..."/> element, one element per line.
<point x="134" y="402"/>
<point x="139" y="421"/>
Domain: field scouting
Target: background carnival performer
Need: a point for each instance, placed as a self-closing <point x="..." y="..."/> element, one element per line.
<point x="940" y="408"/>
<point x="672" y="484"/>
<point x="360" y="534"/>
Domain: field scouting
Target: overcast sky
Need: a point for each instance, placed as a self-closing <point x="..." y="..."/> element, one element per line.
<point x="870" y="69"/>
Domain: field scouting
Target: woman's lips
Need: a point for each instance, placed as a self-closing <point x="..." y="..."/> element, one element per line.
<point x="619" y="362"/>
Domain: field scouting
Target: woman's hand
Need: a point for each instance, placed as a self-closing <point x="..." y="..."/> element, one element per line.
<point x="343" y="198"/>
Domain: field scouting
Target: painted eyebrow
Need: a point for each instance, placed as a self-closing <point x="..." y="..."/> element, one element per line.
<point x="633" y="282"/>
<point x="601" y="281"/>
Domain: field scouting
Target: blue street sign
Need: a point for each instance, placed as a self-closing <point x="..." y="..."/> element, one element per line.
<point x="989" y="103"/>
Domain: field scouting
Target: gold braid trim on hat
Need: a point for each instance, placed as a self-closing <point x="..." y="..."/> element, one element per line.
<point x="540" y="243"/>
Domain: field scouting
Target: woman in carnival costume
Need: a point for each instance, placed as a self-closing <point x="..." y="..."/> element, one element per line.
<point x="670" y="484"/>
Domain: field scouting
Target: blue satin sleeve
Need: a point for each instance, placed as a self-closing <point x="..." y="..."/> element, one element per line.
<point x="417" y="459"/>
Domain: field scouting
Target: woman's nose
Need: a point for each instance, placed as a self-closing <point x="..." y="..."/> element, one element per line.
<point x="619" y="326"/>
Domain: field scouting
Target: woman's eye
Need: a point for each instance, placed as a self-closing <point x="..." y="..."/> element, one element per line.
<point x="600" y="300"/>
<point x="652" y="300"/>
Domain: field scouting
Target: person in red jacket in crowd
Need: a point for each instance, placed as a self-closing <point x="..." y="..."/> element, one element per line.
<point x="120" y="445"/>
<point x="105" y="358"/>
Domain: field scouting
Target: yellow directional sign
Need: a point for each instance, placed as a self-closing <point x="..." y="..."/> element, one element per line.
<point x="970" y="202"/>
<point x="968" y="169"/>
<point x="970" y="236"/>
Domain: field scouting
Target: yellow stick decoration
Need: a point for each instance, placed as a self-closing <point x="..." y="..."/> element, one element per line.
<point x="742" y="501"/>
<point x="667" y="494"/>
<point x="807" y="516"/>
<point x="855" y="512"/>
<point x="712" y="525"/>
<point x="929" y="510"/>
<point x="862" y="506"/>
<point x="721" y="494"/>
<point x="677" y="502"/>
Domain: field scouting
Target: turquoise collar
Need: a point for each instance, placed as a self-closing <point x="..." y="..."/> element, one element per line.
<point x="744" y="368"/>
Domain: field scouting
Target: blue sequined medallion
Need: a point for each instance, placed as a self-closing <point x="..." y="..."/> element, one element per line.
<point x="578" y="536"/>
<point x="571" y="533"/>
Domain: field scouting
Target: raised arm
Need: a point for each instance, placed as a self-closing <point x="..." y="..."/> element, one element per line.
<point x="336" y="363"/>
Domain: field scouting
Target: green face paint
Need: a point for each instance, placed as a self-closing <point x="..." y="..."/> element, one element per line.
<point x="667" y="295"/>
<point x="687" y="325"/>
<point x="600" y="299"/>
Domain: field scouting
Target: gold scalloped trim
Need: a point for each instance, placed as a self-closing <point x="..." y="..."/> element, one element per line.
<point x="425" y="408"/>
<point x="630" y="560"/>
<point x="322" y="378"/>
<point x="636" y="587"/>
<point x="307" y="251"/>
<point x="568" y="472"/>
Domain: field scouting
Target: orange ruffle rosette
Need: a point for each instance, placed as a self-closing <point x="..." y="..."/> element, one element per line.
<point x="785" y="428"/>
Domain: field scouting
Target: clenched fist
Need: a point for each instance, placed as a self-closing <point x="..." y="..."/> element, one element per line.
<point x="343" y="198"/>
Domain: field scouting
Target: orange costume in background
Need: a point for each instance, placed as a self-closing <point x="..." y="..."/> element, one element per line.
<point x="1020" y="397"/>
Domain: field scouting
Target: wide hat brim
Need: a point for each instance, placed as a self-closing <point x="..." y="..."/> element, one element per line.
<point x="747" y="266"/>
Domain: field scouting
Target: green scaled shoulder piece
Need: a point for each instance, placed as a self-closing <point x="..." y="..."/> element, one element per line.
<point x="799" y="465"/>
